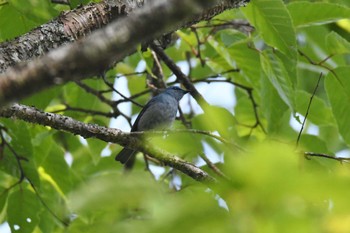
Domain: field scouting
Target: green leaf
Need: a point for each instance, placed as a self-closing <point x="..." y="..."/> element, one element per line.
<point x="337" y="44"/>
<point x="224" y="121"/>
<point x="21" y="142"/>
<point x="222" y="51"/>
<point x="174" y="143"/>
<point x="229" y="37"/>
<point x="22" y="211"/>
<point x="4" y="192"/>
<point x="273" y="22"/>
<point x="313" y="143"/>
<point x="219" y="64"/>
<point x="43" y="98"/>
<point x="277" y="117"/>
<point x="54" y="201"/>
<point x="11" y="23"/>
<point x="39" y="11"/>
<point x="20" y="137"/>
<point x="51" y="164"/>
<point x="245" y="115"/>
<point x="320" y="113"/>
<point x="311" y="13"/>
<point x="95" y="149"/>
<point x="279" y="77"/>
<point x="301" y="183"/>
<point x="248" y="62"/>
<point x="338" y="91"/>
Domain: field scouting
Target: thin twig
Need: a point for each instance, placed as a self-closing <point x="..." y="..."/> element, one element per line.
<point x="110" y="85"/>
<point x="181" y="77"/>
<point x="213" y="167"/>
<point x="313" y="154"/>
<point x="199" y="43"/>
<point x="88" y="111"/>
<point x="320" y="63"/>
<point x="249" y="91"/>
<point x="101" y="97"/>
<point x="308" y="109"/>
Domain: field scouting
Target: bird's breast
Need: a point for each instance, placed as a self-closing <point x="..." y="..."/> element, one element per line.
<point x="159" y="115"/>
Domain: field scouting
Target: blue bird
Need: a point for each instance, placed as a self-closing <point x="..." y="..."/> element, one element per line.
<point x="158" y="114"/>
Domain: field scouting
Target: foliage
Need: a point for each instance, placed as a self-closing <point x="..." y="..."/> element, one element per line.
<point x="53" y="181"/>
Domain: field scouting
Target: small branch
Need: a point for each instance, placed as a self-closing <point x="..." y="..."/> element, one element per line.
<point x="59" y="122"/>
<point x="133" y="97"/>
<point x="199" y="43"/>
<point x="321" y="63"/>
<point x="308" y="109"/>
<point x="249" y="90"/>
<point x="313" y="154"/>
<point x="238" y="24"/>
<point x="103" y="99"/>
<point x="88" y="111"/>
<point x="110" y="85"/>
<point x="156" y="78"/>
<point x="213" y="167"/>
<point x="95" y="93"/>
<point x="181" y="77"/>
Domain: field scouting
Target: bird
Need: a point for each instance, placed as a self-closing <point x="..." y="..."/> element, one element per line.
<point x="158" y="114"/>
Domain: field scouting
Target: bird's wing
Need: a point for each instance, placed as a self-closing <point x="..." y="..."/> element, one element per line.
<point x="144" y="109"/>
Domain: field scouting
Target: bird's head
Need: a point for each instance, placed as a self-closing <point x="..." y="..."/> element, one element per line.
<point x="176" y="92"/>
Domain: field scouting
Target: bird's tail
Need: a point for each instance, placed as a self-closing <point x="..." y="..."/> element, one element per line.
<point x="126" y="157"/>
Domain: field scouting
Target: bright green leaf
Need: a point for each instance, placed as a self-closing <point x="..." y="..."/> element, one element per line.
<point x="311" y="13"/>
<point x="22" y="211"/>
<point x="275" y="116"/>
<point x="3" y="197"/>
<point x="52" y="165"/>
<point x="222" y="52"/>
<point x="248" y="62"/>
<point x="337" y="44"/>
<point x="338" y="91"/>
<point x="274" y="24"/>
<point x="279" y="77"/>
<point x="276" y="187"/>
<point x="224" y="121"/>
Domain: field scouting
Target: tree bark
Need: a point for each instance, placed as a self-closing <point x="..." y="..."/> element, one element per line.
<point x="64" y="123"/>
<point x="94" y="54"/>
<point x="69" y="26"/>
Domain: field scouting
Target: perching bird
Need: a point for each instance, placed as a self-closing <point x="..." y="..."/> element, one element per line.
<point x="159" y="113"/>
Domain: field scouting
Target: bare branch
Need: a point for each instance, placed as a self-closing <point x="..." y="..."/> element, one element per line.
<point x="181" y="77"/>
<point x="68" y="124"/>
<point x="213" y="167"/>
<point x="313" y="154"/>
<point x="308" y="109"/>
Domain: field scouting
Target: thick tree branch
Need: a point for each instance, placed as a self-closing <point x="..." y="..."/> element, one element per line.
<point x="77" y="23"/>
<point x="59" y="122"/>
<point x="96" y="53"/>
<point x="67" y="27"/>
